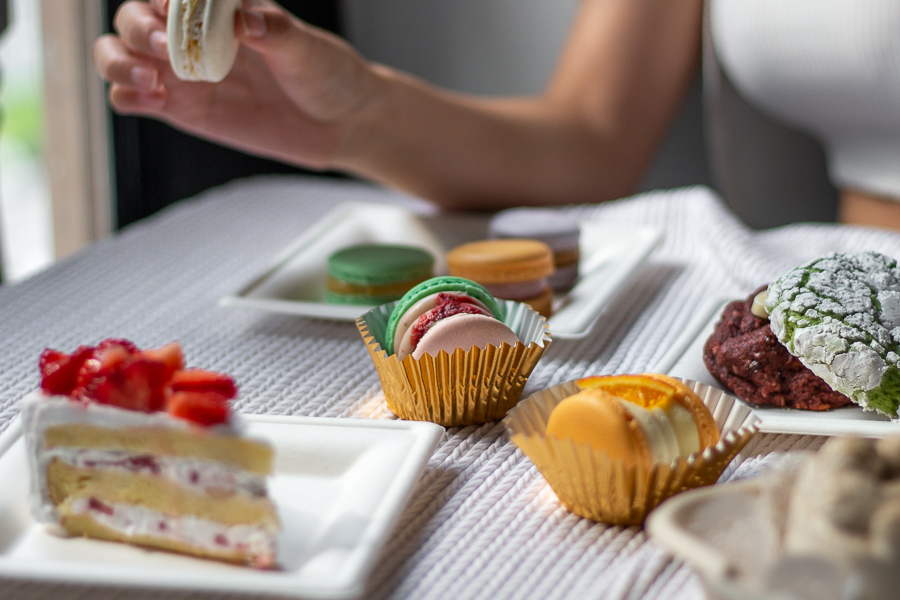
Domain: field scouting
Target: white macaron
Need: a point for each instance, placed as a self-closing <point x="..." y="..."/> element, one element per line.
<point x="202" y="41"/>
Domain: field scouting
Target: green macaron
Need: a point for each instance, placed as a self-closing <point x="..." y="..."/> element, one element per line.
<point x="376" y="273"/>
<point x="434" y="286"/>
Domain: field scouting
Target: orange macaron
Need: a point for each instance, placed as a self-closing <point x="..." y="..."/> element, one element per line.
<point x="512" y="269"/>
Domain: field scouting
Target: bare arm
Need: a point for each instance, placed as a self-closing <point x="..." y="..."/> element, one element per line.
<point x="588" y="137"/>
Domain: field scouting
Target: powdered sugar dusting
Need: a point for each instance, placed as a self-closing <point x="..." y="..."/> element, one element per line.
<point x="840" y="315"/>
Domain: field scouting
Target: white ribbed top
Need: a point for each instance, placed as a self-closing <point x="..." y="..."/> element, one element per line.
<point x="829" y="66"/>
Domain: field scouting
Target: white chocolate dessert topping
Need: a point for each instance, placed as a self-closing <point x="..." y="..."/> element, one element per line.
<point x="670" y="430"/>
<point x="758" y="308"/>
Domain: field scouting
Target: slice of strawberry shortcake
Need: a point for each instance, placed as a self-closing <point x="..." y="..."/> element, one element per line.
<point x="129" y="445"/>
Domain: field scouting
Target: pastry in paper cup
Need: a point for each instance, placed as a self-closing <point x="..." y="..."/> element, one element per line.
<point x="463" y="387"/>
<point x="615" y="491"/>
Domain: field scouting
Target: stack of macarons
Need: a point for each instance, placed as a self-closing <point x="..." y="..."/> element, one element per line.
<point x="443" y="314"/>
<point x="450" y="353"/>
<point x="513" y="269"/>
<point x="375" y="273"/>
<point x="556" y="229"/>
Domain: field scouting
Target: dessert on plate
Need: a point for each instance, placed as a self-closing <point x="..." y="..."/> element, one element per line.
<point x="127" y="445"/>
<point x="448" y="352"/>
<point x="614" y="447"/>
<point x="376" y="273"/>
<point x="745" y="355"/>
<point x="821" y="336"/>
<point x="839" y="314"/>
<point x="513" y="269"/>
<point x="557" y="229"/>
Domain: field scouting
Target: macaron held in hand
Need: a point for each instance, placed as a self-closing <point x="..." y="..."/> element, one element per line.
<point x="202" y="41"/>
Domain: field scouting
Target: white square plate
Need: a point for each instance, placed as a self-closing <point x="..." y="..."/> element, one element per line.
<point x="610" y="255"/>
<point x="339" y="485"/>
<point x="685" y="359"/>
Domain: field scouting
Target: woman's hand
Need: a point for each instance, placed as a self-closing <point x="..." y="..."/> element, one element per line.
<point x="303" y="96"/>
<point x="291" y="95"/>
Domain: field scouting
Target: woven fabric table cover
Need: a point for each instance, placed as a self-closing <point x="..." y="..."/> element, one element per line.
<point x="482" y="523"/>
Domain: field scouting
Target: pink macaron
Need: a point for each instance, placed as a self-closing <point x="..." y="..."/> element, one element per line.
<point x="464" y="330"/>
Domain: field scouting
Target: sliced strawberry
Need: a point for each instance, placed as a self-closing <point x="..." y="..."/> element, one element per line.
<point x="203" y="408"/>
<point x="105" y="359"/>
<point x="133" y="383"/>
<point x="200" y="380"/>
<point x="126" y="345"/>
<point x="171" y="355"/>
<point x="119" y="374"/>
<point x="59" y="371"/>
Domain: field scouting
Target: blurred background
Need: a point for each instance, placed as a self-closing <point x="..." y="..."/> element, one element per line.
<point x="72" y="172"/>
<point x="26" y="235"/>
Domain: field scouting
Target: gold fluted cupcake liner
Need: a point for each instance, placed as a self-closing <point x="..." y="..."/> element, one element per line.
<point x="462" y="388"/>
<point x="591" y="485"/>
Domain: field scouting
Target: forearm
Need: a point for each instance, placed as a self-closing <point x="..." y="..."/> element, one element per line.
<point x="301" y="95"/>
<point x="588" y="138"/>
<point x="468" y="152"/>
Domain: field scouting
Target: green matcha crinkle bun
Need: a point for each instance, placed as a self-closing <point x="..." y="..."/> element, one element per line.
<point x="840" y="315"/>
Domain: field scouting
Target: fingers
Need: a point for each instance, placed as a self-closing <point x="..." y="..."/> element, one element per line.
<point x="320" y="72"/>
<point x="143" y="28"/>
<point x="132" y="101"/>
<point x="161" y="7"/>
<point x="117" y="64"/>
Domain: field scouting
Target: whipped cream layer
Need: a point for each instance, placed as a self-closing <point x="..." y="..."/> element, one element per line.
<point x="131" y="521"/>
<point x="41" y="411"/>
<point x="201" y="476"/>
<point x="670" y="431"/>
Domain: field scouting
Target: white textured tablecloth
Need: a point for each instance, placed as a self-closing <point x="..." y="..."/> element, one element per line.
<point x="482" y="522"/>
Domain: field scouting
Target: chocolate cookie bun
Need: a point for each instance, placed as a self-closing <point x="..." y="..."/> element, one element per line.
<point x="745" y="355"/>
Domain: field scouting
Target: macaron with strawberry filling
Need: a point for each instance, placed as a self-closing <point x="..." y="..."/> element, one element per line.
<point x="446" y="313"/>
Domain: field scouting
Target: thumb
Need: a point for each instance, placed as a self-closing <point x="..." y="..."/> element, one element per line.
<point x="272" y="31"/>
<point x="318" y="69"/>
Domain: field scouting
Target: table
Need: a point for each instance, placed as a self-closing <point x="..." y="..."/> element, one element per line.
<point x="482" y="523"/>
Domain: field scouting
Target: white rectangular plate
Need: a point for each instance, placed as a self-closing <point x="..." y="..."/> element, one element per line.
<point x="339" y="485"/>
<point x="610" y="255"/>
<point x="685" y="359"/>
